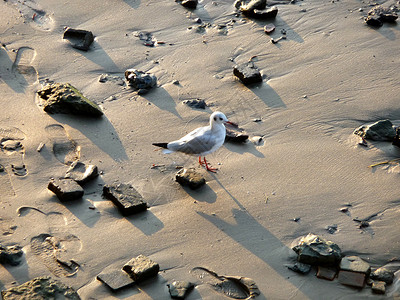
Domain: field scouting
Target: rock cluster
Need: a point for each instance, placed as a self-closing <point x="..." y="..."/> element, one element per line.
<point x="140" y="81"/>
<point x="379" y="14"/>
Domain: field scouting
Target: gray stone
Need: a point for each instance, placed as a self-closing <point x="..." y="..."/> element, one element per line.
<point x="383" y="274"/>
<point x="196" y="103"/>
<point x="180" y="289"/>
<point x="115" y="279"/>
<point x="79" y="39"/>
<point x="379" y="131"/>
<point x="355" y="264"/>
<point x="140" y="80"/>
<point x="300" y="268"/>
<point x="328" y="273"/>
<point x="10" y="255"/>
<point x="125" y="197"/>
<point x="264" y="14"/>
<point x="66" y="189"/>
<point x="247" y="73"/>
<point x="354" y="279"/>
<point x="65" y="99"/>
<point x="379" y="287"/>
<point x="81" y="172"/>
<point x="314" y="250"/>
<point x="41" y="288"/>
<point x="191" y="178"/>
<point x="141" y="268"/>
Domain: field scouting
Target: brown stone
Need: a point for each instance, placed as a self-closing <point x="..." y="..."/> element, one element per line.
<point x="326" y="273"/>
<point x="352" y="278"/>
<point x="141" y="268"/>
<point x="379" y="287"/>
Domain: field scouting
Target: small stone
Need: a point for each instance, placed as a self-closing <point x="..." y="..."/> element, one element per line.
<point x="79" y="39"/>
<point x="355" y="264"/>
<point x="195" y="103"/>
<point x="332" y="228"/>
<point x="189" y="3"/>
<point x="264" y="14"/>
<point x="65" y="189"/>
<point x="379" y="131"/>
<point x="81" y="172"/>
<point x="326" y="273"/>
<point x="115" y="279"/>
<point x="379" y="287"/>
<point x="140" y="80"/>
<point x="40" y="147"/>
<point x="248" y="9"/>
<point x="141" y="268"/>
<point x="180" y="289"/>
<point x="190" y="178"/>
<point x="257" y="140"/>
<point x="300" y="268"/>
<point x="125" y="197"/>
<point x="235" y="137"/>
<point x="10" y="255"/>
<point x="269" y="28"/>
<point x="247" y="73"/>
<point x="383" y="274"/>
<point x="354" y="279"/>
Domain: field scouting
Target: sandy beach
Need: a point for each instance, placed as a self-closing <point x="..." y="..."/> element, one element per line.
<point x="330" y="74"/>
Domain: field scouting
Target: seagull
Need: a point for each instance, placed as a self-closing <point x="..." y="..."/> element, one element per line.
<point x="201" y="141"/>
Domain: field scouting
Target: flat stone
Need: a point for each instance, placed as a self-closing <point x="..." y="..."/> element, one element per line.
<point x="379" y="287"/>
<point x="81" y="172"/>
<point x="63" y="98"/>
<point x="383" y="274"/>
<point x="190" y="178"/>
<point x="354" y="279"/>
<point x="140" y="81"/>
<point x="10" y="255"/>
<point x="326" y="273"/>
<point x="41" y="288"/>
<point x="115" y="279"/>
<point x="300" y="268"/>
<point x="141" y="268"/>
<point x="195" y="103"/>
<point x="235" y="136"/>
<point x="180" y="289"/>
<point x="355" y="264"/>
<point x="79" y="39"/>
<point x="379" y="131"/>
<point x="125" y="197"/>
<point x="247" y="73"/>
<point x="66" y="189"/>
<point x="315" y="250"/>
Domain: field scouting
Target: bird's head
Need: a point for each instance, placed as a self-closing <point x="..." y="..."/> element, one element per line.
<point x="219" y="118"/>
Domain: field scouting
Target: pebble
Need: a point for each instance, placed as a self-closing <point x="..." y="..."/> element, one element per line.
<point x="247" y="73"/>
<point x="190" y="178"/>
<point x="379" y="287"/>
<point x="180" y="289"/>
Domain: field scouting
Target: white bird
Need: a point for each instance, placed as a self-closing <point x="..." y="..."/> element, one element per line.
<point x="201" y="141"/>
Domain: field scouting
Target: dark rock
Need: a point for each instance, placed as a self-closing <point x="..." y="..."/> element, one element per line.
<point x="10" y="255"/>
<point x="383" y="274"/>
<point x="328" y="273"/>
<point x="81" y="172"/>
<point x="79" y="39"/>
<point x="332" y="228"/>
<point x="373" y="21"/>
<point x="354" y="279"/>
<point x="300" y="268"/>
<point x="190" y="178"/>
<point x="140" y="81"/>
<point x="379" y="14"/>
<point x="396" y="140"/>
<point x="196" y="103"/>
<point x="247" y="73"/>
<point x="125" y="197"/>
<point x="355" y="264"/>
<point x="66" y="189"/>
<point x="252" y="5"/>
<point x="148" y="39"/>
<point x="115" y="279"/>
<point x="264" y="14"/>
<point x="141" y="268"/>
<point x="314" y="250"/>
<point x="379" y="131"/>
<point x="41" y="288"/>
<point x="190" y="3"/>
<point x="379" y="287"/>
<point x="235" y="137"/>
<point x="66" y="99"/>
<point x="179" y="289"/>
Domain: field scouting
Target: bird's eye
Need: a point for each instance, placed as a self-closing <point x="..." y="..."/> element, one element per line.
<point x="215" y="118"/>
<point x="220" y="118"/>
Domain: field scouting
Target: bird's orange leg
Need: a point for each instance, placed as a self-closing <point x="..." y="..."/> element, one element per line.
<point x="208" y="167"/>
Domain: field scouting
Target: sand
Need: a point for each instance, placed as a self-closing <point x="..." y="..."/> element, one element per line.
<point x="332" y="74"/>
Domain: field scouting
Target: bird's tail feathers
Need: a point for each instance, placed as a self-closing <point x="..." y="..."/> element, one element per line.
<point x="162" y="145"/>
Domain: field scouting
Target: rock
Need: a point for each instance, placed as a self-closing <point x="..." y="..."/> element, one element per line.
<point x="354" y="279"/>
<point x="247" y="73"/>
<point x="379" y="287"/>
<point x="125" y="197"/>
<point x="332" y="228"/>
<point x="141" y="268"/>
<point x="190" y="3"/>
<point x="379" y="14"/>
<point x="355" y="264"/>
<point x="115" y="279"/>
<point x="41" y="288"/>
<point x="326" y="273"/>
<point x="10" y="255"/>
<point x="269" y="28"/>
<point x="300" y="268"/>
<point x="65" y="99"/>
<point x="190" y="178"/>
<point x="79" y="39"/>
<point x="379" y="131"/>
<point x="66" y="189"/>
<point x="314" y="250"/>
<point x="383" y="274"/>
<point x="179" y="289"/>
<point x="264" y="14"/>
<point x="195" y="103"/>
<point x="252" y="5"/>
<point x="257" y="140"/>
<point x="140" y="80"/>
<point x="103" y="78"/>
<point x="396" y="140"/>
<point x="235" y="137"/>
<point x="81" y="172"/>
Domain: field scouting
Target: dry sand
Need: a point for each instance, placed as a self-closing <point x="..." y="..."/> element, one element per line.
<point x="332" y="74"/>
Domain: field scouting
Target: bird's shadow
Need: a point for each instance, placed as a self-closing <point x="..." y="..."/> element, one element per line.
<point x="247" y="147"/>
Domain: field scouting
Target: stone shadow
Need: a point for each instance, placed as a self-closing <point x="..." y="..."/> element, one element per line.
<point x="133" y="3"/>
<point x="162" y="99"/>
<point x="99" y="56"/>
<point x="244" y="148"/>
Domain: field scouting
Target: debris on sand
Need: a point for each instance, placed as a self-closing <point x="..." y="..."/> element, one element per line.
<point x="140" y="81"/>
<point x="379" y="14"/>
<point x="180" y="289"/>
<point x="247" y="73"/>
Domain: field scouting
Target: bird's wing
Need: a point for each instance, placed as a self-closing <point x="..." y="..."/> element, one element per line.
<point x="196" y="142"/>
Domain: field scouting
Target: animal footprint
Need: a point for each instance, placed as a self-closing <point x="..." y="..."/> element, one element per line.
<point x="65" y="149"/>
<point x="23" y="66"/>
<point x="12" y="150"/>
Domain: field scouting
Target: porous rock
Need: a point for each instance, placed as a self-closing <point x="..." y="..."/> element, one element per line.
<point x="355" y="264"/>
<point x="383" y="274"/>
<point x="65" y="99"/>
<point x="65" y="189"/>
<point x="81" y="172"/>
<point x="247" y="73"/>
<point x="379" y="131"/>
<point x="41" y="288"/>
<point x="190" y="178"/>
<point x="315" y="250"/>
<point x="79" y="39"/>
<point x="179" y="289"/>
<point x="10" y="255"/>
<point x="140" y="81"/>
<point x="115" y="279"/>
<point x="141" y="268"/>
<point x="125" y="197"/>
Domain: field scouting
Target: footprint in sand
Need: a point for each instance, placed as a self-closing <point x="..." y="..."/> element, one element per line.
<point x="65" y="149"/>
<point x="23" y="66"/>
